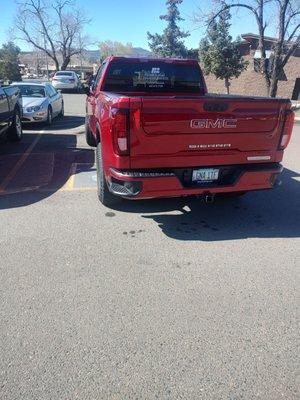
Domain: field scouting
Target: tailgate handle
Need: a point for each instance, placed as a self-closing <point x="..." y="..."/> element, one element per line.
<point x="217" y="107"/>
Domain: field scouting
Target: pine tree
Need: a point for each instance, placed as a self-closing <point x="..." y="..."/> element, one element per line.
<point x="219" y="55"/>
<point x="169" y="43"/>
<point x="9" y="62"/>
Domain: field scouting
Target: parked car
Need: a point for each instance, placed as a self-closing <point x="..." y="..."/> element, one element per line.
<point x="159" y="133"/>
<point x="66" y="80"/>
<point x="41" y="102"/>
<point x="10" y="113"/>
<point x="31" y="76"/>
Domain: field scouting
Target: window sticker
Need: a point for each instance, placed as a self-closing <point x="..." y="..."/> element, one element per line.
<point x="155" y="70"/>
<point x="150" y="79"/>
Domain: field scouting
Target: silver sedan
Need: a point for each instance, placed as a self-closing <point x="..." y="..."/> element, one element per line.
<point x="41" y="102"/>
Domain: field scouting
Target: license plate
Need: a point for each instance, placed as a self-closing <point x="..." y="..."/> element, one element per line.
<point x="205" y="175"/>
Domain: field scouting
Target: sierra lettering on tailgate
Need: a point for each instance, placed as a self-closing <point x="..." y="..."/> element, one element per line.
<point x="210" y="146"/>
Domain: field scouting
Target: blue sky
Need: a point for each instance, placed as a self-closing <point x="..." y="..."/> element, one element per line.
<point x="129" y="20"/>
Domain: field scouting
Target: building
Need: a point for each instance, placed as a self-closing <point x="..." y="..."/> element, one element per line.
<point x="37" y="62"/>
<point x="251" y="82"/>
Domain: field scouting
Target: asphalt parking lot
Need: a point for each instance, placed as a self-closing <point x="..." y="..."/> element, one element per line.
<point x="163" y="299"/>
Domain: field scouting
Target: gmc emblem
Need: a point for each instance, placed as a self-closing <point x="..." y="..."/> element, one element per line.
<point x="219" y="123"/>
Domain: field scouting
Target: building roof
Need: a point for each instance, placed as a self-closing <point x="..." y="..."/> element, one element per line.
<point x="250" y="36"/>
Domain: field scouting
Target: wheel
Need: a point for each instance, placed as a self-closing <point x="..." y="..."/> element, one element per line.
<point x="62" y="111"/>
<point x="91" y="141"/>
<point x="49" y="116"/>
<point x="104" y="195"/>
<point x="15" y="132"/>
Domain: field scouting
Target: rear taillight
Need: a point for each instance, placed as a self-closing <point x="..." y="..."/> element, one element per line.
<point x="120" y="131"/>
<point x="287" y="130"/>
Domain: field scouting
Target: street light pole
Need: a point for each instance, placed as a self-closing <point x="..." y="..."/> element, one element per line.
<point x="80" y="43"/>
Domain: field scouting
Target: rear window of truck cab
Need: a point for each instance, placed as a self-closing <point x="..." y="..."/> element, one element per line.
<point x="153" y="77"/>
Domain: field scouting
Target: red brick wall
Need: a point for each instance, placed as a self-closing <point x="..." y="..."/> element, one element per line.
<point x="253" y="83"/>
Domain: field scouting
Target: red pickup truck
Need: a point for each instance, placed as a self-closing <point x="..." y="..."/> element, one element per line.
<point x="159" y="133"/>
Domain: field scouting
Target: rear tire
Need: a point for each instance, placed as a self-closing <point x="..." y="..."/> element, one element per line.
<point x="90" y="139"/>
<point x="15" y="132"/>
<point x="105" y="196"/>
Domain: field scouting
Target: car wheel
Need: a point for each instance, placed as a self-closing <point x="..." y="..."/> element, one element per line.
<point x="62" y="111"/>
<point x="104" y="195"/>
<point x="15" y="132"/>
<point x="91" y="141"/>
<point x="49" y="116"/>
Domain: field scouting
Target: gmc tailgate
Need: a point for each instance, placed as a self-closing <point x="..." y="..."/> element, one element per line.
<point x="202" y="130"/>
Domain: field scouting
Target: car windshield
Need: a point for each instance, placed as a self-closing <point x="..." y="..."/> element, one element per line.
<point x="153" y="76"/>
<point x="64" y="74"/>
<point x="32" y="91"/>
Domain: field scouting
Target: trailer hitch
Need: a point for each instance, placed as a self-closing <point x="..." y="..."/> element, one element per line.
<point x="209" y="198"/>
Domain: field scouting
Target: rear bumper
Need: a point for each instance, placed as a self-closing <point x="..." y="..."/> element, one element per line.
<point x="143" y="184"/>
<point x="66" y="86"/>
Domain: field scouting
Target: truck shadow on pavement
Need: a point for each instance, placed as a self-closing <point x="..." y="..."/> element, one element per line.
<point x="264" y="214"/>
<point x="29" y="177"/>
<point x="69" y="122"/>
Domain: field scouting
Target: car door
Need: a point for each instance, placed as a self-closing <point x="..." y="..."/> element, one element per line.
<point x="57" y="99"/>
<point x="54" y="100"/>
<point x="49" y="94"/>
<point x="92" y="98"/>
<point x="4" y="110"/>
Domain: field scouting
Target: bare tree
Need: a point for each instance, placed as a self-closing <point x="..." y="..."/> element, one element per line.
<point x="52" y="27"/>
<point x="109" y="47"/>
<point x="287" y="21"/>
